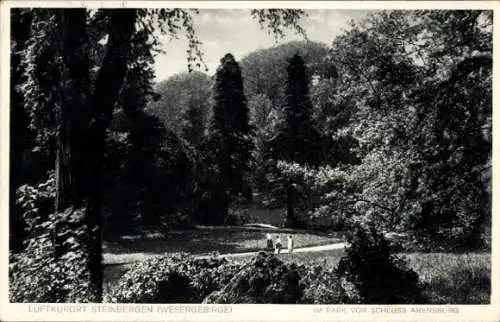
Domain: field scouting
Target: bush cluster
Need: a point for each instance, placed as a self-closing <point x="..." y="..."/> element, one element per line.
<point x="44" y="272"/>
<point x="36" y="201"/>
<point x="263" y="279"/>
<point x="174" y="278"/>
<point x="377" y="276"/>
<point x="321" y="286"/>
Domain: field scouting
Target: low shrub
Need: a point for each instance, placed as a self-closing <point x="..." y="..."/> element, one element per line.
<point x="33" y="203"/>
<point x="174" y="278"/>
<point x="262" y="279"/>
<point x="322" y="286"/>
<point x="177" y="220"/>
<point x="42" y="274"/>
<point x="36" y="202"/>
<point x="375" y="275"/>
<point x="210" y="280"/>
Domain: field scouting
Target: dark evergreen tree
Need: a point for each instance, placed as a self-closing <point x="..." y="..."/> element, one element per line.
<point x="295" y="138"/>
<point x="193" y="125"/>
<point x="229" y="141"/>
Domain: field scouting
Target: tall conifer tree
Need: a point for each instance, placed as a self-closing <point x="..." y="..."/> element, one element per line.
<point x="229" y="142"/>
<point x="296" y="139"/>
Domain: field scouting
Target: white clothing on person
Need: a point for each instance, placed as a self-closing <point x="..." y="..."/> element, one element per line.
<point x="290" y="244"/>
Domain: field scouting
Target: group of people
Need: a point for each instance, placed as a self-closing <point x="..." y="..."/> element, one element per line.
<point x="277" y="245"/>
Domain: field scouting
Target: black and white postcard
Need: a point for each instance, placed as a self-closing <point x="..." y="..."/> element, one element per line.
<point x="182" y="160"/>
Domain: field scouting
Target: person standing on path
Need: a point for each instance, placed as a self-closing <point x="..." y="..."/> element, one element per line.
<point x="269" y="242"/>
<point x="278" y="245"/>
<point x="290" y="244"/>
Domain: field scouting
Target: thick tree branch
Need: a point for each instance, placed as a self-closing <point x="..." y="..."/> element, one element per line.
<point x="373" y="204"/>
<point x="114" y="67"/>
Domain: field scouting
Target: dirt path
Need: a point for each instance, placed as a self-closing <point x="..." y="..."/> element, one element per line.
<point x="131" y="258"/>
<point x="285" y="251"/>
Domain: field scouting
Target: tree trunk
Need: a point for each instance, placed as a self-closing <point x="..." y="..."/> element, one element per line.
<point x="20" y="135"/>
<point x="84" y="119"/>
<point x="107" y="88"/>
<point x="290" y="198"/>
<point x="71" y="118"/>
<point x="290" y="216"/>
<point x="73" y="114"/>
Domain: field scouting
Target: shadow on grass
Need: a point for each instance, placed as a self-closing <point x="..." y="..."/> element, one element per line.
<point x="205" y="242"/>
<point x="191" y="241"/>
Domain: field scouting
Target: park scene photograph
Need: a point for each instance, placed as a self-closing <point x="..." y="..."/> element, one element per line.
<point x="250" y="156"/>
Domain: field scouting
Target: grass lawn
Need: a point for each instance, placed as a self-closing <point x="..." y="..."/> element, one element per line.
<point x="202" y="242"/>
<point x="328" y="258"/>
<point x="454" y="278"/>
<point x="447" y="278"/>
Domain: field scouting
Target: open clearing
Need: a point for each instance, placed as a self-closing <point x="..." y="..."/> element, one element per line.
<point x="129" y="249"/>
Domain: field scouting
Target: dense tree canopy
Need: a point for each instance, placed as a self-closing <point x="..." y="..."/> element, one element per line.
<point x="184" y="104"/>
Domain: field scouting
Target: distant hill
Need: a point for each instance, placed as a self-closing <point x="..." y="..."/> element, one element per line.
<point x="177" y="93"/>
<point x="264" y="70"/>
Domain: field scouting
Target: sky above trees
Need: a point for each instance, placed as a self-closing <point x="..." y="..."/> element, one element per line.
<point x="235" y="31"/>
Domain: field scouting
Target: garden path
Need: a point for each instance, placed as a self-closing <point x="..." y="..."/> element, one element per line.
<point x="285" y="251"/>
